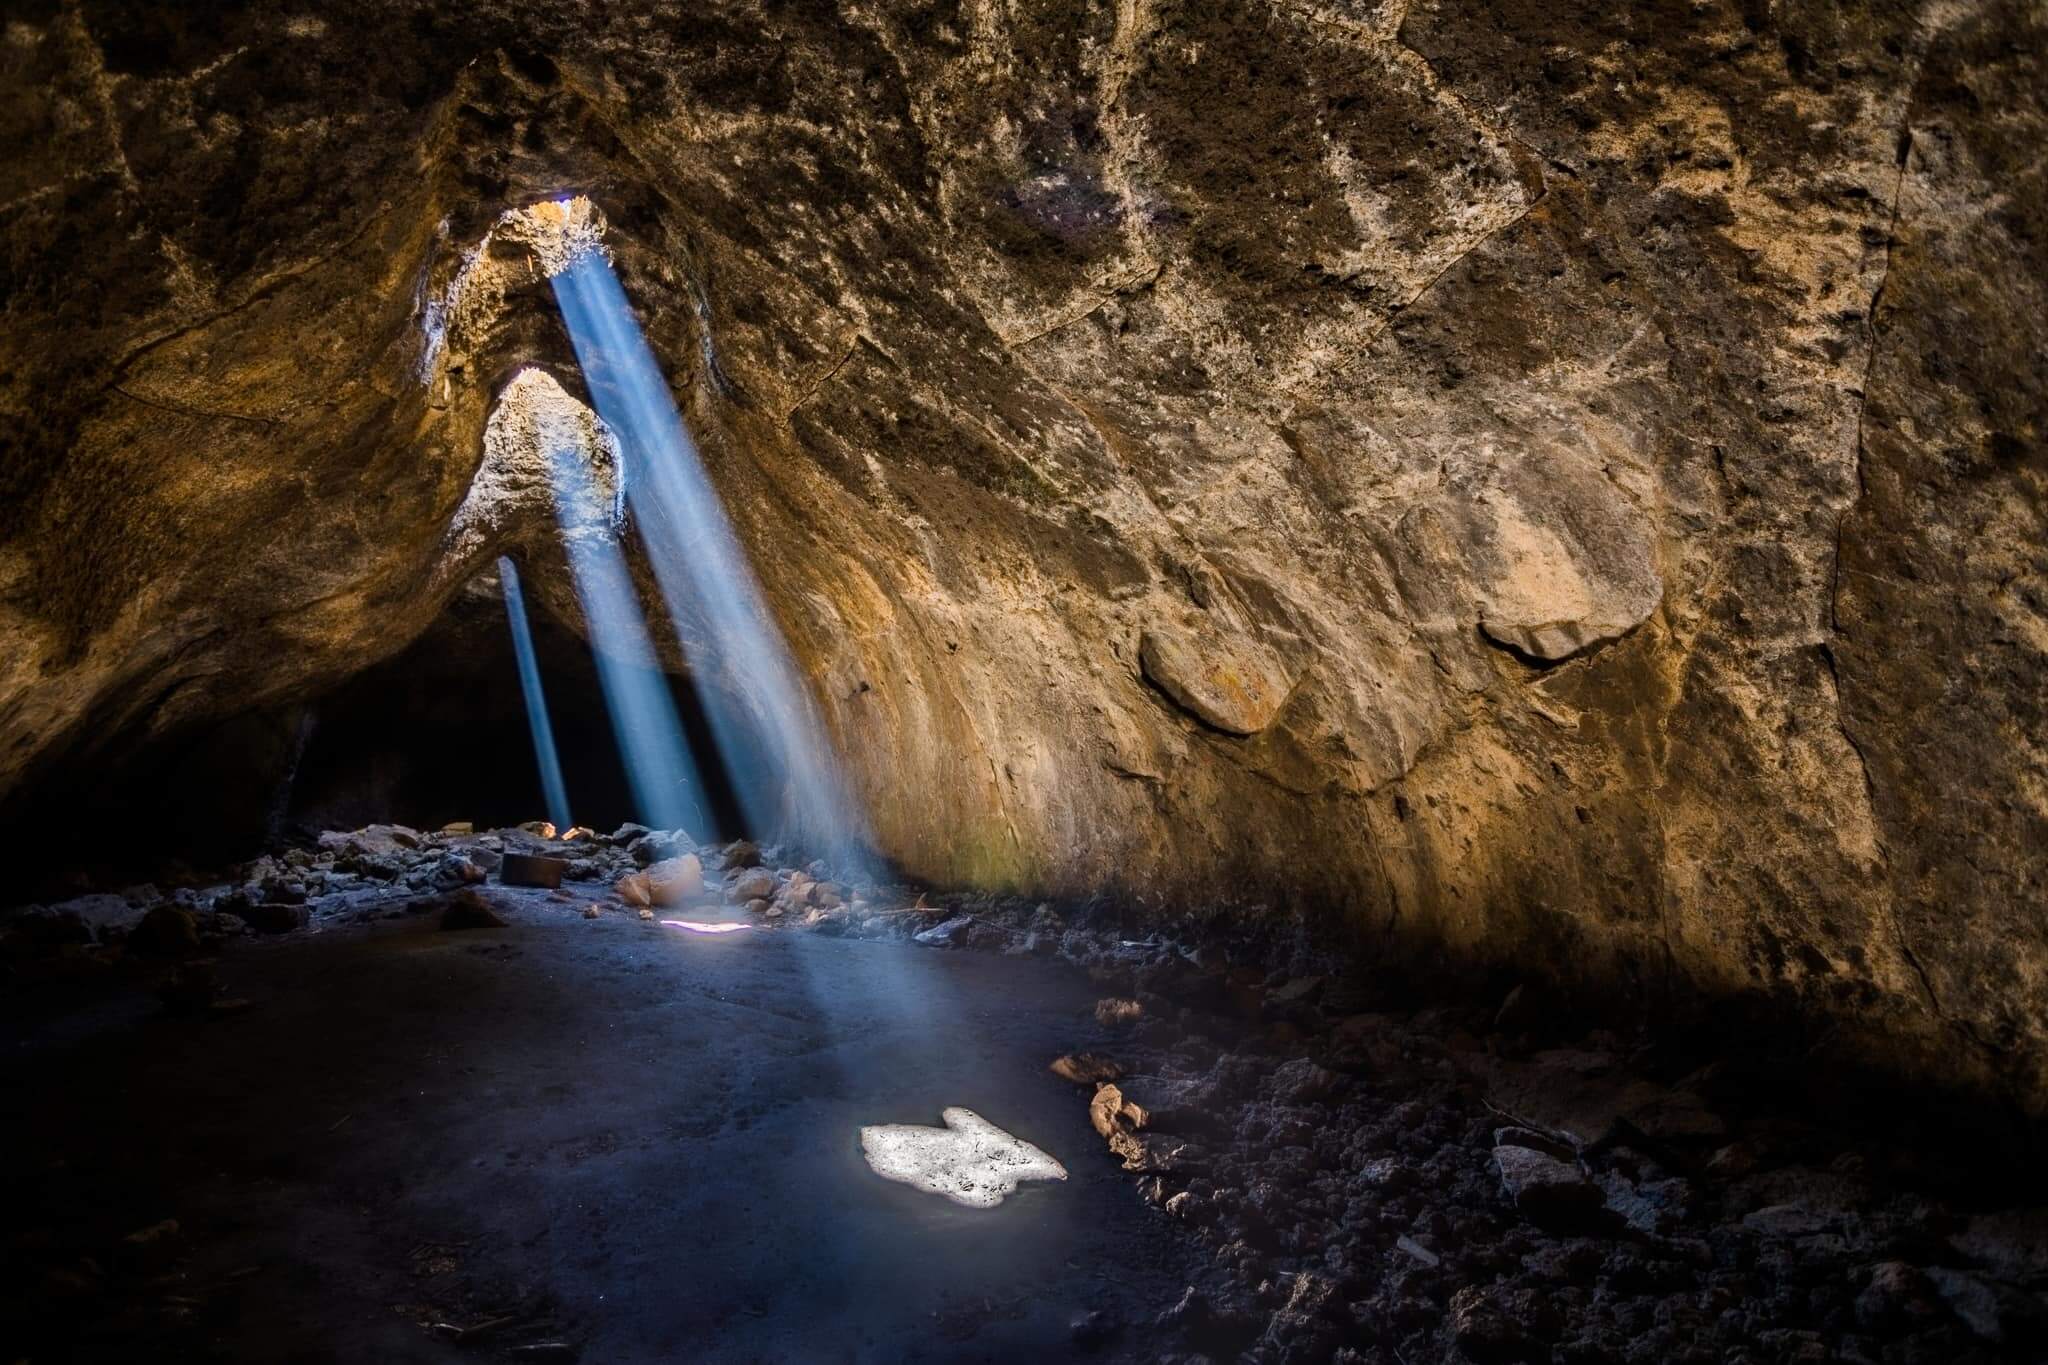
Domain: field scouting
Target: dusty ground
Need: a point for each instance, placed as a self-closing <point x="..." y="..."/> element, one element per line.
<point x="593" y="1136"/>
<point x="636" y="1142"/>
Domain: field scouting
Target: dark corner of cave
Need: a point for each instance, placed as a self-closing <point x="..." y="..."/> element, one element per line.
<point x="1314" y="682"/>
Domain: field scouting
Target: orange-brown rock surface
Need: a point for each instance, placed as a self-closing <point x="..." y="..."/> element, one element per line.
<point x="1579" y="468"/>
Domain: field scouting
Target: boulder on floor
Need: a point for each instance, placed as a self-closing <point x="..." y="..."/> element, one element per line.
<point x="469" y="910"/>
<point x="1547" y="1190"/>
<point x="529" y="869"/>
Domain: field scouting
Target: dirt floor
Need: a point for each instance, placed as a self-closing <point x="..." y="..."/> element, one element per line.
<point x="634" y="1141"/>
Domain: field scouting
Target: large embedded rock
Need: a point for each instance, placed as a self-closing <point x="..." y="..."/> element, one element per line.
<point x="1563" y="560"/>
<point x="1230" y="685"/>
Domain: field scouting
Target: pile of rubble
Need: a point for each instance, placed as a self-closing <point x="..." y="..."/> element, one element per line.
<point x="1384" y="1183"/>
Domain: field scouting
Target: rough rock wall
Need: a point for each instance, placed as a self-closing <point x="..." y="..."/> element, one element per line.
<point x="1553" y="483"/>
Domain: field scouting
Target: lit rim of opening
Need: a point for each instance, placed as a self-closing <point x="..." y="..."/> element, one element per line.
<point x="707" y="926"/>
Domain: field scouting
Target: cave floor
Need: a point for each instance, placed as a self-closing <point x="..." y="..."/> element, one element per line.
<point x="344" y="1130"/>
<point x="636" y="1142"/>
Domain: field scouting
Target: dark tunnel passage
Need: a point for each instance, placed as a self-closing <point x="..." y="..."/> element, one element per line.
<point x="439" y="734"/>
<point x="435" y="734"/>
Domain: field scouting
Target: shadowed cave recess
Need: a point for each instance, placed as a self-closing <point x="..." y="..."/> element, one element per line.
<point x="1300" y="682"/>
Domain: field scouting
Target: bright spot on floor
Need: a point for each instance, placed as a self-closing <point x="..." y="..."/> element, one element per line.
<point x="706" y="926"/>
<point x="970" y="1160"/>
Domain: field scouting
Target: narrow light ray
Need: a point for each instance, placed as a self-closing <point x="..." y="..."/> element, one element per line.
<point x="541" y="423"/>
<point x="554" y="790"/>
<point x="650" y="734"/>
<point x="799" y="792"/>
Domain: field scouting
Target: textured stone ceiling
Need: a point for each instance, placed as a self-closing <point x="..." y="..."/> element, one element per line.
<point x="1556" y="484"/>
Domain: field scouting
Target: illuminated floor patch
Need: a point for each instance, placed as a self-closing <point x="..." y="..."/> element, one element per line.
<point x="706" y="926"/>
<point x="970" y="1160"/>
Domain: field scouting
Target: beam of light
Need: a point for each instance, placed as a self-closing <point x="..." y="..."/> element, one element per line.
<point x="799" y="792"/>
<point x="562" y="434"/>
<point x="553" y="789"/>
<point x="970" y="1161"/>
<point x="706" y="926"/>
<point x="644" y="720"/>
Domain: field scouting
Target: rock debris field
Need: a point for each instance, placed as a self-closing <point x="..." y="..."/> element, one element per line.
<point x="369" y="1101"/>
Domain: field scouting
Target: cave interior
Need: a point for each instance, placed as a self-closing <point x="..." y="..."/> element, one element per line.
<point x="1160" y="682"/>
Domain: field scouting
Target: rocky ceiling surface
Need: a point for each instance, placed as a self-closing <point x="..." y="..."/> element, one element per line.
<point x="1557" y="483"/>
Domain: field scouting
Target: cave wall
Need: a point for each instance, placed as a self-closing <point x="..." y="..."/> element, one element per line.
<point x="1553" y="484"/>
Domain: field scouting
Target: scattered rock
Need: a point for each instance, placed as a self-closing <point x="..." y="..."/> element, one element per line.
<point x="1112" y="1010"/>
<point x="1787" y="1220"/>
<point x="1296" y="991"/>
<point x="2012" y="1244"/>
<point x="372" y="842"/>
<point x="1732" y="1161"/>
<point x="1191" y="1312"/>
<point x="1535" y="1141"/>
<point x="1585" y="1094"/>
<point x="754" y="884"/>
<point x="454" y="869"/>
<point x="469" y="910"/>
<point x="742" y="853"/>
<point x="1092" y="1331"/>
<point x="45" y="927"/>
<point x="107" y="916"/>
<point x="271" y="917"/>
<point x="1550" y="1192"/>
<point x="539" y="829"/>
<point x="1652" y="1206"/>
<point x="1302" y="1328"/>
<point x="1420" y="1252"/>
<point x="591" y="912"/>
<point x="1301" y="1081"/>
<point x="951" y="934"/>
<point x="529" y="869"/>
<point x="675" y="880"/>
<point x="1486" y="1328"/>
<point x="1897" y="1293"/>
<point x="1085" y="1068"/>
<point x="655" y="847"/>
<point x="458" y="827"/>
<point x="166" y="931"/>
<point x="1998" y="1313"/>
<point x="1112" y="1114"/>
